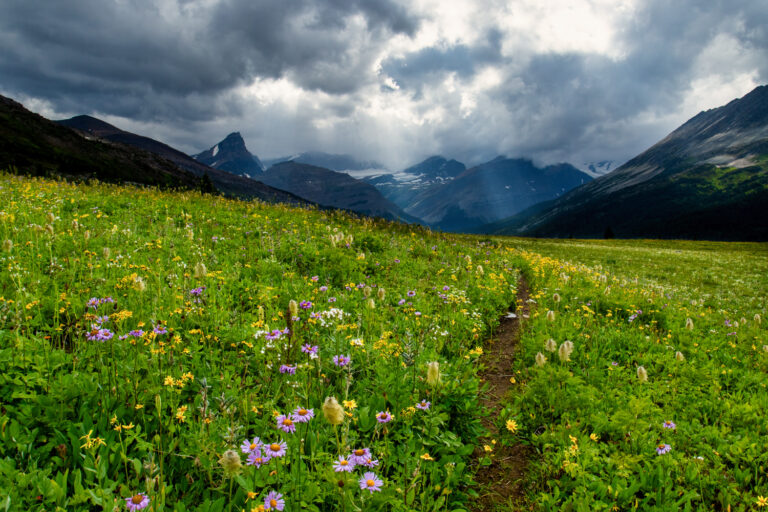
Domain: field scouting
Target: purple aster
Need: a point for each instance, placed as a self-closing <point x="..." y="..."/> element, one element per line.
<point x="92" y="303"/>
<point x="383" y="417"/>
<point x="196" y="292"/>
<point x="343" y="464"/>
<point x="286" y="424"/>
<point x="137" y="502"/>
<point x="274" y="501"/>
<point x="309" y="349"/>
<point x="370" y="463"/>
<point x="302" y="415"/>
<point x="286" y="368"/>
<point x="397" y="260"/>
<point x="253" y="446"/>
<point x="256" y="459"/>
<point x="323" y="288"/>
<point x="159" y="329"/>
<point x="423" y="405"/>
<point x="401" y="302"/>
<point x="370" y="482"/>
<point x="669" y="424"/>
<point x="662" y="449"/>
<point x="274" y="335"/>
<point x="99" y="335"/>
<point x="418" y="313"/>
<point x="305" y="304"/>
<point x="315" y="278"/>
<point x="446" y="288"/>
<point x="107" y="300"/>
<point x="341" y="360"/>
<point x="137" y="333"/>
<point x="315" y="315"/>
<point x="331" y="299"/>
<point x="275" y="449"/>
<point x="411" y="293"/>
<point x="359" y="456"/>
<point x="102" y="319"/>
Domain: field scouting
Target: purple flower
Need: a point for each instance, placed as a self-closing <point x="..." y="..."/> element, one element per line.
<point x="102" y="319"/>
<point x="315" y="315"/>
<point x="256" y="459"/>
<point x="274" y="335"/>
<point x="423" y="405"/>
<point x="341" y="360"/>
<point x="411" y="293"/>
<point x="196" y="292"/>
<point x="92" y="303"/>
<point x="397" y="260"/>
<point x="323" y="288"/>
<point x="343" y="464"/>
<point x="286" y="368"/>
<point x="331" y="299"/>
<point x="305" y="304"/>
<point x="309" y="349"/>
<point x="662" y="449"/>
<point x="370" y="482"/>
<point x="107" y="300"/>
<point x="302" y="415"/>
<point x="97" y="334"/>
<point x="359" y="456"/>
<point x="137" y="502"/>
<point x="417" y="313"/>
<point x="383" y="417"/>
<point x="275" y="449"/>
<point x="669" y="424"/>
<point x="285" y="424"/>
<point x="446" y="288"/>
<point x="159" y="329"/>
<point x="314" y="278"/>
<point x="274" y="501"/>
<point x="137" y="333"/>
<point x="369" y="463"/>
<point x="401" y="302"/>
<point x="253" y="446"/>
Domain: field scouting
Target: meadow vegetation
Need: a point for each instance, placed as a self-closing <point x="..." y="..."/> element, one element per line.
<point x="176" y="351"/>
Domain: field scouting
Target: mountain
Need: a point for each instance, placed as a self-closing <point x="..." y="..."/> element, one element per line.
<point x="334" y="162"/>
<point x="231" y="155"/>
<point x="226" y="182"/>
<point x="331" y="188"/>
<point x="401" y="188"/>
<point x="492" y="191"/>
<point x="596" y="169"/>
<point x="708" y="179"/>
<point x="35" y="145"/>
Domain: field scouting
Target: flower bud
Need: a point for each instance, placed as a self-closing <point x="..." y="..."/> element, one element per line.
<point x="642" y="375"/>
<point x="541" y="359"/>
<point x="333" y="411"/>
<point x="293" y="308"/>
<point x="551" y="315"/>
<point x="556" y="297"/>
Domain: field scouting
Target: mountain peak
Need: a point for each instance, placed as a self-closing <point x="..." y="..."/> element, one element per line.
<point x="231" y="155"/>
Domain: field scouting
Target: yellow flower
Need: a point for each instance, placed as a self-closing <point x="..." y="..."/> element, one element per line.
<point x="349" y="404"/>
<point x="762" y="501"/>
<point x="512" y="426"/>
<point x="488" y="448"/>
<point x="180" y="413"/>
<point x="594" y="437"/>
<point x="169" y="381"/>
<point x="426" y="456"/>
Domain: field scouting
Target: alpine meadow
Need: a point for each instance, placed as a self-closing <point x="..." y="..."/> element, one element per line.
<point x="171" y="350"/>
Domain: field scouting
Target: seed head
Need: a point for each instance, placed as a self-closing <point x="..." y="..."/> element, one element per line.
<point x="679" y="356"/>
<point x="551" y="315"/>
<point x="689" y="323"/>
<point x="381" y="293"/>
<point x="231" y="463"/>
<point x="556" y="297"/>
<point x="541" y="359"/>
<point x="7" y="245"/>
<point x="550" y="345"/>
<point x="371" y="304"/>
<point x="757" y="318"/>
<point x="332" y="411"/>
<point x="433" y="373"/>
<point x="565" y="350"/>
<point x="200" y="270"/>
<point x="293" y="308"/>
<point x="642" y="375"/>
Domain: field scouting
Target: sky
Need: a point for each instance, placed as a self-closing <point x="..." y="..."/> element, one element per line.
<point x="393" y="81"/>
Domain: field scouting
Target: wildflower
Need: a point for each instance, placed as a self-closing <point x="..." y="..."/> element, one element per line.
<point x="293" y="308"/>
<point x="341" y="360"/>
<point x="669" y="424"/>
<point x="274" y="501"/>
<point x="7" y="245"/>
<point x="565" y="350"/>
<point x="762" y="501"/>
<point x="343" y="464"/>
<point x="556" y="297"/>
<point x="369" y="463"/>
<point x="286" y="368"/>
<point x="689" y="324"/>
<point x="349" y="404"/>
<point x="433" y="373"/>
<point x="256" y="459"/>
<point x="159" y="329"/>
<point x="180" y="412"/>
<point x="401" y="302"/>
<point x="423" y="405"/>
<point x="314" y="279"/>
<point x="137" y="502"/>
<point x="286" y="424"/>
<point x="381" y="293"/>
<point x="551" y="315"/>
<point x="758" y="320"/>
<point x="251" y="446"/>
<point x="302" y="415"/>
<point x="594" y="437"/>
<point x="384" y="417"/>
<point x="642" y="375"/>
<point x="541" y="359"/>
<point x="367" y="291"/>
<point x="512" y="426"/>
<point x="426" y="456"/>
<point x="550" y="345"/>
<point x="370" y="482"/>
<point x="275" y="449"/>
<point x="360" y="455"/>
<point x="411" y="293"/>
<point x="323" y="288"/>
<point x="93" y="303"/>
<point x="333" y="411"/>
<point x="679" y="356"/>
<point x="200" y="270"/>
<point x="370" y="304"/>
<point x="305" y="304"/>
<point x="331" y="299"/>
<point x="662" y="449"/>
<point x="230" y="462"/>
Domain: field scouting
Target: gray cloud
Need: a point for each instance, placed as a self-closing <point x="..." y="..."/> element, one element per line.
<point x="186" y="71"/>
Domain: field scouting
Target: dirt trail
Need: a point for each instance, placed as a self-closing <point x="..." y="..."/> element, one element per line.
<point x="500" y="484"/>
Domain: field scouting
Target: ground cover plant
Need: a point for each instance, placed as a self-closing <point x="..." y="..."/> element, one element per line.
<point x="642" y="375"/>
<point x="174" y="351"/>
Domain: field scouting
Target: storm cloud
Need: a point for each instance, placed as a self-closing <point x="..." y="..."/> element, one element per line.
<point x="388" y="80"/>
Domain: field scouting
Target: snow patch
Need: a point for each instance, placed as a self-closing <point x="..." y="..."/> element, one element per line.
<point x="215" y="150"/>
